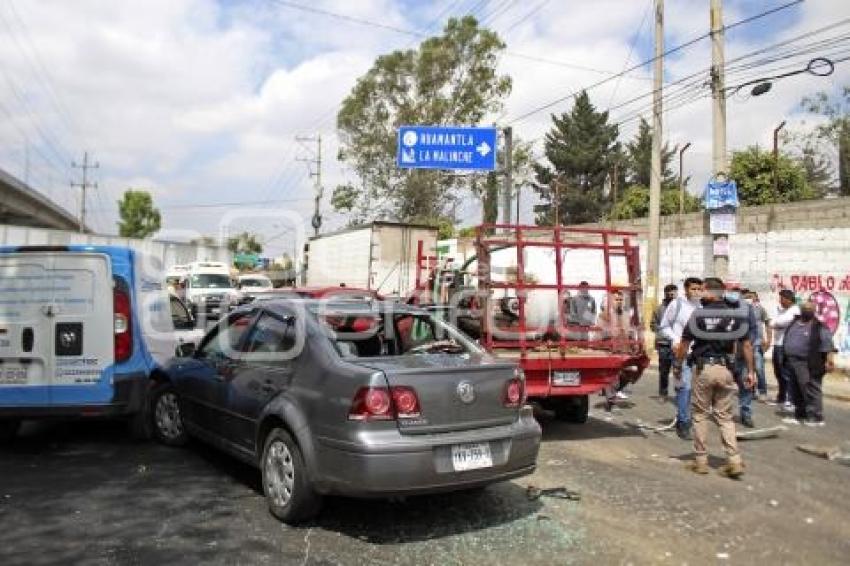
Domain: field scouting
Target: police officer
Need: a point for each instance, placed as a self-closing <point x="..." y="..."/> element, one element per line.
<point x="714" y="330"/>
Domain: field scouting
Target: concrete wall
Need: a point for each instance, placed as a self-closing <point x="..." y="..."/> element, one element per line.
<point x="803" y="246"/>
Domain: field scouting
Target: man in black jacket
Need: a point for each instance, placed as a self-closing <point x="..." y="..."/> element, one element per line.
<point x="809" y="355"/>
<point x="662" y="343"/>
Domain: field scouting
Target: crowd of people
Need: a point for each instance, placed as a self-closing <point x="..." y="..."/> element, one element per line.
<point x="713" y="340"/>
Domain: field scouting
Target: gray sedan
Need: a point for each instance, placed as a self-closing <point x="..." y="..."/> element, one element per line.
<point x="350" y="398"/>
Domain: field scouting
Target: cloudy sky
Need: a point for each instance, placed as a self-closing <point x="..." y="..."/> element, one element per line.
<point x="200" y="101"/>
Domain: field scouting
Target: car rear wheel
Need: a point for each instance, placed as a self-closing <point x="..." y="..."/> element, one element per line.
<point x="572" y="409"/>
<point x="287" y="487"/>
<point x="168" y="426"/>
<point x="9" y="429"/>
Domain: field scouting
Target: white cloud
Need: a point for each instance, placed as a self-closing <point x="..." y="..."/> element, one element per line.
<point x="201" y="100"/>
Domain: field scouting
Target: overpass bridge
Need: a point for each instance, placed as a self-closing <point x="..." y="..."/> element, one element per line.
<point x="21" y="205"/>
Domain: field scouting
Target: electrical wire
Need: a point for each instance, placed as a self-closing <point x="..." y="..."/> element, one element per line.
<point x="666" y="53"/>
<point x="634" y="41"/>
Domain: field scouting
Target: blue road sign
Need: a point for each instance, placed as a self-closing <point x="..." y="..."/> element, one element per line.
<point x="438" y="147"/>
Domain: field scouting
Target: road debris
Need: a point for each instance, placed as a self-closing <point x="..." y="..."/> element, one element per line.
<point x="825" y="452"/>
<point x="760" y="433"/>
<point x="534" y="493"/>
<point x="640" y="425"/>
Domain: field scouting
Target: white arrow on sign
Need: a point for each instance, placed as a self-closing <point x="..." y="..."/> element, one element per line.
<point x="483" y="149"/>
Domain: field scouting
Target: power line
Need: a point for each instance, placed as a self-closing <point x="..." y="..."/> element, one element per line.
<point x="635" y="39"/>
<point x="531" y="13"/>
<point x="670" y="51"/>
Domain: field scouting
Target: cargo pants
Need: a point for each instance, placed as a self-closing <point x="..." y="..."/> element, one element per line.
<point x="713" y="390"/>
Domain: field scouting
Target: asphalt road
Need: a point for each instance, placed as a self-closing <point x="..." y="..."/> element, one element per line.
<point x="85" y="493"/>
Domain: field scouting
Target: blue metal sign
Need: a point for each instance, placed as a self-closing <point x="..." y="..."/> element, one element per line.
<point x="721" y="194"/>
<point x="438" y="147"/>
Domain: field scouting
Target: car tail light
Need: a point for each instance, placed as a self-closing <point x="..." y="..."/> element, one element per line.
<point x="406" y="402"/>
<point x="384" y="404"/>
<point x="371" y="403"/>
<point x="122" y="321"/>
<point x="515" y="390"/>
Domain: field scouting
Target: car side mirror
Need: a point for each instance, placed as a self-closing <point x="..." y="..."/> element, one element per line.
<point x="186" y="350"/>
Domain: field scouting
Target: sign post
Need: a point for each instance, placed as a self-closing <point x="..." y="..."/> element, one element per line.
<point x="446" y="147"/>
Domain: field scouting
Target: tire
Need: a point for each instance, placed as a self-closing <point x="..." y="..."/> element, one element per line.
<point x="8" y="430"/>
<point x="166" y="417"/>
<point x="572" y="409"/>
<point x="287" y="487"/>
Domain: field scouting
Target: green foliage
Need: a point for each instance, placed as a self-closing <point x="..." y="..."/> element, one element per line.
<point x="445" y="229"/>
<point x="581" y="147"/>
<point x="139" y="218"/>
<point x="449" y="79"/>
<point x="468" y="232"/>
<point x="639" y="159"/>
<point x="752" y="169"/>
<point x="635" y="203"/>
<point x="244" y="243"/>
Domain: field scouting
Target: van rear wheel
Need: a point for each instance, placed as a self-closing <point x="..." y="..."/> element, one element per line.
<point x="9" y="429"/>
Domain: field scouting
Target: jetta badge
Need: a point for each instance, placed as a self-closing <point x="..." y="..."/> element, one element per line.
<point x="466" y="392"/>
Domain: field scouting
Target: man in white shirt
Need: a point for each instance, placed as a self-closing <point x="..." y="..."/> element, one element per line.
<point x="785" y="315"/>
<point x="672" y="325"/>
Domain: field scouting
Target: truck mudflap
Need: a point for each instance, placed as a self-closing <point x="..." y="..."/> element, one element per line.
<point x="577" y="376"/>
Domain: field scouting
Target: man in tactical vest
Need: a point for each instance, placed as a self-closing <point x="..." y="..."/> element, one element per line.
<point x="714" y="331"/>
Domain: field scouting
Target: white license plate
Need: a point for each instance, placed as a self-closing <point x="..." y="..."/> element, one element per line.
<point x="471" y="456"/>
<point x="13" y="375"/>
<point x="566" y="378"/>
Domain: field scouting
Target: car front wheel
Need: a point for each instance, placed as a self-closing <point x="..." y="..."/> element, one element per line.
<point x="168" y="426"/>
<point x="288" y="491"/>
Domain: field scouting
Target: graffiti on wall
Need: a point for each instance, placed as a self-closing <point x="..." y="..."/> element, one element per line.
<point x="831" y="295"/>
<point x="807" y="282"/>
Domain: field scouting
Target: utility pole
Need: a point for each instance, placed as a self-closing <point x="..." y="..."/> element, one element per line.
<point x="653" y="263"/>
<point x="509" y="175"/>
<point x="776" y="160"/>
<point x="84" y="185"/>
<point x="615" y="190"/>
<point x="316" y="221"/>
<point x="682" y="181"/>
<point x="718" y="93"/>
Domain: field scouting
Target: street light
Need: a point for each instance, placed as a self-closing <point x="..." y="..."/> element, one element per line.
<point x="776" y="160"/>
<point x="681" y="181"/>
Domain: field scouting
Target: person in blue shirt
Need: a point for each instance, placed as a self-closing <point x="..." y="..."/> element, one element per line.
<point x="745" y="393"/>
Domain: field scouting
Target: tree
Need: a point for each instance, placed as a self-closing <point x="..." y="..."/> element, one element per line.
<point x="639" y="160"/>
<point x="244" y="243"/>
<point x="581" y="148"/>
<point x="490" y="190"/>
<point x="139" y="218"/>
<point x="635" y="203"/>
<point x="835" y="131"/>
<point x="448" y="79"/>
<point x="752" y="170"/>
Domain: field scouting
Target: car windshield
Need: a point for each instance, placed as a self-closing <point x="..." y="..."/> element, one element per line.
<point x="210" y="281"/>
<point x="255" y="283"/>
<point x="368" y="333"/>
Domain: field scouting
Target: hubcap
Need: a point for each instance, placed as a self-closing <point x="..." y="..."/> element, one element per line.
<point x="168" y="420"/>
<point x="280" y="473"/>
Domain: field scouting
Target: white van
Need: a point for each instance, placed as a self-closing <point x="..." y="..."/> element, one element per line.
<point x="83" y="332"/>
<point x="206" y="286"/>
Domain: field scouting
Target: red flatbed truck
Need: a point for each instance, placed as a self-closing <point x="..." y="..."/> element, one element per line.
<point x="564" y="364"/>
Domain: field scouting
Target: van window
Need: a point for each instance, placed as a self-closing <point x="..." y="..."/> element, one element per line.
<point x="210" y="281"/>
<point x="180" y="314"/>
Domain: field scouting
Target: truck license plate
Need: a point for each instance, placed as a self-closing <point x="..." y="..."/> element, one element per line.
<point x="566" y="378"/>
<point x="471" y="456"/>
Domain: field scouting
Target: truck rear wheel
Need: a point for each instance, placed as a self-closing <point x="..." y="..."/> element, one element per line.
<point x="572" y="409"/>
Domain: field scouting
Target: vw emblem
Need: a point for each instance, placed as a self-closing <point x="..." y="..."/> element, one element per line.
<point x="466" y="392"/>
